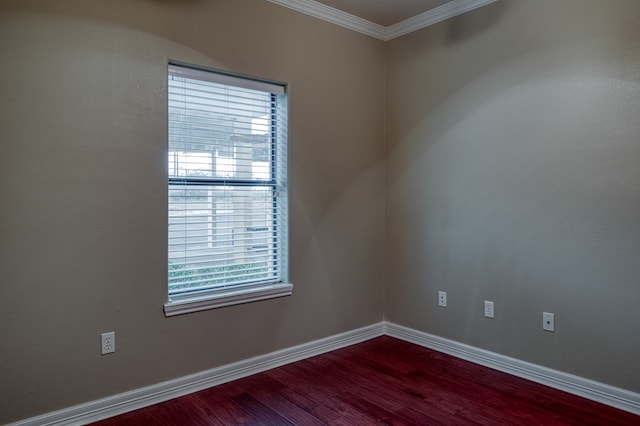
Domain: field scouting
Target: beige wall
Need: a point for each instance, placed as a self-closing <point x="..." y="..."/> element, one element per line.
<point x="513" y="175"/>
<point x="83" y="217"/>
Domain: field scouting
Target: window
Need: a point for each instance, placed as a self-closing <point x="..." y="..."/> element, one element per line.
<point x="227" y="189"/>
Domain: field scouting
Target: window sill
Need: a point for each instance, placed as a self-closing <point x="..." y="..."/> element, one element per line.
<point x="185" y="305"/>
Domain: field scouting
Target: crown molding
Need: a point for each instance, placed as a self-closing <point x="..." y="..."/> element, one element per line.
<point x="346" y="20"/>
<point x="433" y="16"/>
<point x="335" y="16"/>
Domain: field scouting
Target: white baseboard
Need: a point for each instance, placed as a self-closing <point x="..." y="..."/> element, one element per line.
<point x="609" y="395"/>
<point x="144" y="397"/>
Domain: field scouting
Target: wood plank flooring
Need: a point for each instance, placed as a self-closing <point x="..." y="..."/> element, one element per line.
<point x="381" y="381"/>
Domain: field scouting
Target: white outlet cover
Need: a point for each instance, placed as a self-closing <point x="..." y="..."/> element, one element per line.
<point x="442" y="299"/>
<point x="108" y="342"/>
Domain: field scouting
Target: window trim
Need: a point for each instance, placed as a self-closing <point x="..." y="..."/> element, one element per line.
<point x="241" y="293"/>
<point x="226" y="297"/>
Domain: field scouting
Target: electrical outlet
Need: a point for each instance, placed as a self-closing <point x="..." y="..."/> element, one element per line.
<point x="488" y="309"/>
<point x="548" y="321"/>
<point x="442" y="299"/>
<point x="108" y="342"/>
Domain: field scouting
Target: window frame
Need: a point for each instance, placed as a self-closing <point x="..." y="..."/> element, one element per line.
<point x="188" y="301"/>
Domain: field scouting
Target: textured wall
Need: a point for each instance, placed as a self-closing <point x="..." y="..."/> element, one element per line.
<point x="83" y="217"/>
<point x="512" y="145"/>
<point x="513" y="153"/>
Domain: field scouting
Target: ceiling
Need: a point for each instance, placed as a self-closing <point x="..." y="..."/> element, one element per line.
<point x="384" y="12"/>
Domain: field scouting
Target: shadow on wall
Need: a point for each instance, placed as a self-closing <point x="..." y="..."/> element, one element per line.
<point x="197" y="24"/>
<point x="336" y="260"/>
<point x="429" y="67"/>
<point x="470" y="25"/>
<point x="440" y="75"/>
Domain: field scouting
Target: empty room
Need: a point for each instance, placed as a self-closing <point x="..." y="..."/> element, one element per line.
<point x="320" y="212"/>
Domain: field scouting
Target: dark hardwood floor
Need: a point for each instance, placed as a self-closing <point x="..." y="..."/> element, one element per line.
<point x="381" y="381"/>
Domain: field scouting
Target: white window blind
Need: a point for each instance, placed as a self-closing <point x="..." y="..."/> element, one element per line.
<point x="227" y="168"/>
